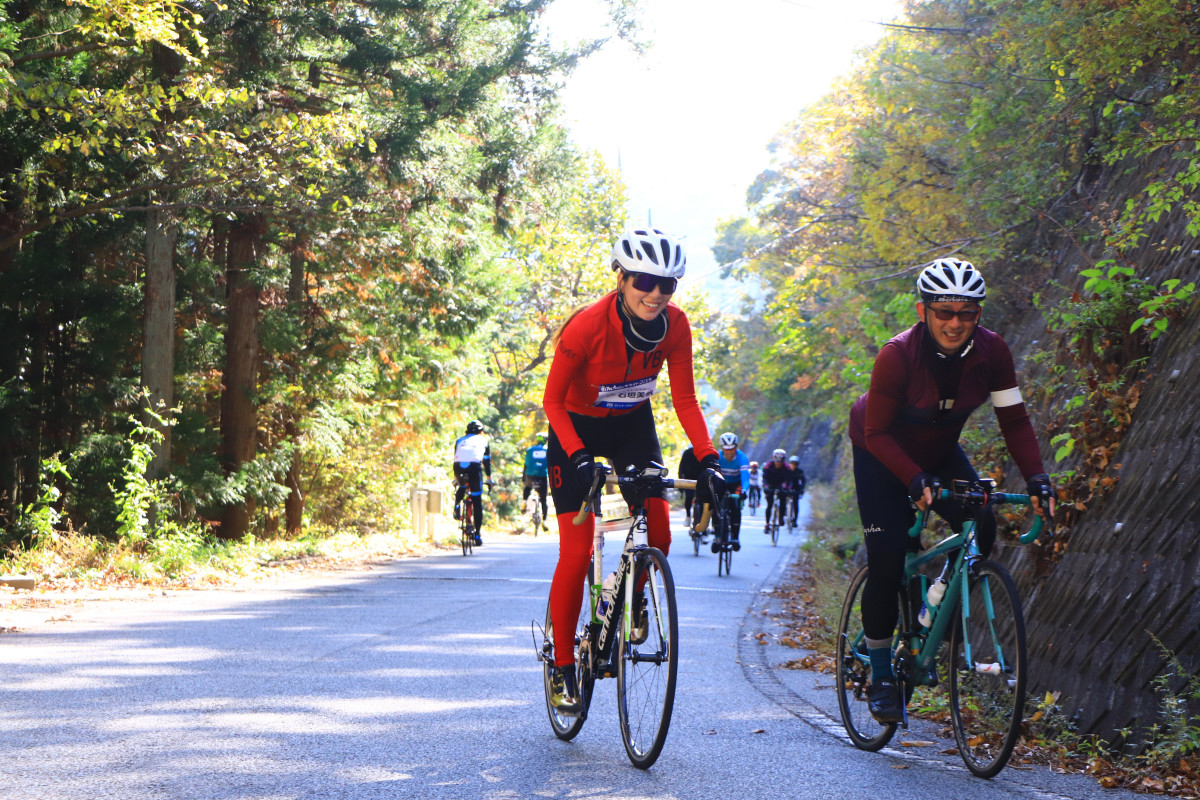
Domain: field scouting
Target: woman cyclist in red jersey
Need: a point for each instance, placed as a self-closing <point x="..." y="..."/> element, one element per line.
<point x="606" y="363"/>
<point x="905" y="434"/>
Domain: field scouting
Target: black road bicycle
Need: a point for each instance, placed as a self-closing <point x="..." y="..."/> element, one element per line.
<point x="723" y="538"/>
<point x="466" y="528"/>
<point x="628" y="626"/>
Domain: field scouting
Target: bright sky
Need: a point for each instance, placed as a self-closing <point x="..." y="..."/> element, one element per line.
<point x="689" y="122"/>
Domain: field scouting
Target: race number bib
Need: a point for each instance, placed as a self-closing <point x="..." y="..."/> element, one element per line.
<point x="625" y="395"/>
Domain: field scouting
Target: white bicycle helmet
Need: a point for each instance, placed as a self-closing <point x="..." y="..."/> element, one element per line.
<point x="728" y="440"/>
<point x="794" y="460"/>
<point x="649" y="250"/>
<point x="779" y="453"/>
<point x="949" y="280"/>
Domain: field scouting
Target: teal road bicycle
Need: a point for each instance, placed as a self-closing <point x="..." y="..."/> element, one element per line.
<point x="974" y="639"/>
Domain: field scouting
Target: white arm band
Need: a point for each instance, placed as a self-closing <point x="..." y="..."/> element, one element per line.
<point x="1006" y="397"/>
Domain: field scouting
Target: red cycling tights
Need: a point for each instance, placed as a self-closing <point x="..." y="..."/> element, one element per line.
<point x="574" y="557"/>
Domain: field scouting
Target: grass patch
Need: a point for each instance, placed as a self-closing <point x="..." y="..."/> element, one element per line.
<point x="191" y="557"/>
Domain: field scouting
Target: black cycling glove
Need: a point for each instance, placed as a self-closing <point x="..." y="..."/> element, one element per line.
<point x="585" y="469"/>
<point x="918" y="485"/>
<point x="1039" y="486"/>
<point x="710" y="485"/>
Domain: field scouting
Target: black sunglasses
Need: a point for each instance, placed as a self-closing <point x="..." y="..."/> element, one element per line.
<point x="645" y="282"/>
<point x="946" y="314"/>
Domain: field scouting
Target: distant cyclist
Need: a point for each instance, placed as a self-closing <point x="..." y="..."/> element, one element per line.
<point x="607" y="359"/>
<point x="689" y="468"/>
<point x="905" y="430"/>
<point x="775" y="481"/>
<point x="797" y="483"/>
<point x="534" y="476"/>
<point x="755" y="494"/>
<point x="735" y="468"/>
<point x="472" y="459"/>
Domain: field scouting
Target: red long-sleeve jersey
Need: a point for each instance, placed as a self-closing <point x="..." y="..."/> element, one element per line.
<point x="594" y="374"/>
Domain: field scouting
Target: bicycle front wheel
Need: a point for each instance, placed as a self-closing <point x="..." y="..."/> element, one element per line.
<point x="854" y="674"/>
<point x="646" y="671"/>
<point x="987" y="675"/>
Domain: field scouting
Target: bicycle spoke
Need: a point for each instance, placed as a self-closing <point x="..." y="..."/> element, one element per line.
<point x="987" y="676"/>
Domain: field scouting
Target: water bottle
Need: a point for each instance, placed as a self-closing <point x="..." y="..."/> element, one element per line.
<point x="937" y="590"/>
<point x="606" y="593"/>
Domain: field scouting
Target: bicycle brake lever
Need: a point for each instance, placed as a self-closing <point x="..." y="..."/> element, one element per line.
<point x="598" y="477"/>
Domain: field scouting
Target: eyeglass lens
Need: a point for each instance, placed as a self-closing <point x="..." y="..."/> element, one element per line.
<point x="966" y="315"/>
<point x="645" y="282"/>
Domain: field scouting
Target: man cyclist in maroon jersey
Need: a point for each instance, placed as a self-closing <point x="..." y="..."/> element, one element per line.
<point x="905" y="431"/>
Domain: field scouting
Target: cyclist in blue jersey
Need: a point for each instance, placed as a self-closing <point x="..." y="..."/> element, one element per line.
<point x="735" y="468"/>
<point x="472" y="459"/>
<point x="535" y="476"/>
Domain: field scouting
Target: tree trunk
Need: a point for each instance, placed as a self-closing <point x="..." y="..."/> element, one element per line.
<point x="297" y="292"/>
<point x="158" y="342"/>
<point x="10" y="363"/>
<point x="239" y="421"/>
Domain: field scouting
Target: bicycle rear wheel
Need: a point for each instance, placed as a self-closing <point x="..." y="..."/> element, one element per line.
<point x="567" y="725"/>
<point x="646" y="672"/>
<point x="723" y="554"/>
<point x="987" y="675"/>
<point x="466" y="537"/>
<point x="695" y="543"/>
<point x="854" y="674"/>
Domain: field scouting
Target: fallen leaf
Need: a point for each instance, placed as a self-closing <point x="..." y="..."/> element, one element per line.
<point x="916" y="743"/>
<point x="709" y="732"/>
<point x="759" y="730"/>
<point x="899" y="766"/>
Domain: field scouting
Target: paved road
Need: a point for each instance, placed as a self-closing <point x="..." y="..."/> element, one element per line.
<point x="418" y="680"/>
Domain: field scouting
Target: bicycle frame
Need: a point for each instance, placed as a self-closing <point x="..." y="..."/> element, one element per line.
<point x="961" y="550"/>
<point x="603" y="627"/>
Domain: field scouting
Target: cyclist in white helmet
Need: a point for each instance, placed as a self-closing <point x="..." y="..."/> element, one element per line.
<point x="604" y="374"/>
<point x="905" y="430"/>
<point x="754" y="497"/>
<point x="775" y="476"/>
<point x="735" y="467"/>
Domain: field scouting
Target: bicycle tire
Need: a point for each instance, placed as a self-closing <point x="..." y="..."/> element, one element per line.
<point x="566" y="726"/>
<point x="695" y="543"/>
<point x="726" y="556"/>
<point x="466" y="536"/>
<point x="723" y="553"/>
<point x="646" y="672"/>
<point x="854" y="674"/>
<point x="774" y="533"/>
<point x="986" y="709"/>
